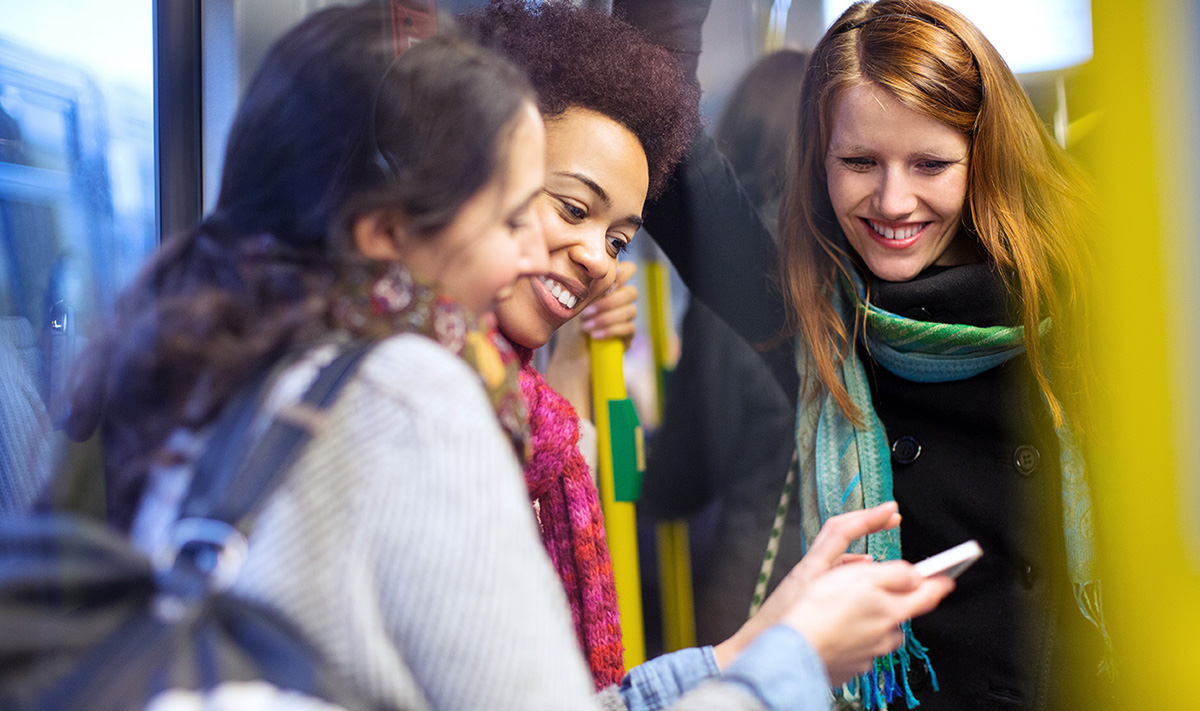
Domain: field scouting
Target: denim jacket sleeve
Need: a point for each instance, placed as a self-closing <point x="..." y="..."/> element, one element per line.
<point x="780" y="669"/>
<point x="659" y="682"/>
<point x="783" y="670"/>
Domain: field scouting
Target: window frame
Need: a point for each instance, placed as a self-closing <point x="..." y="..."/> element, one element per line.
<point x="178" y="115"/>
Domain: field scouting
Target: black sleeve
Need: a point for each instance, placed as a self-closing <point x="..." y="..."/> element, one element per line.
<point x="705" y="222"/>
<point x="680" y="459"/>
<point x="711" y="232"/>
<point x="675" y="26"/>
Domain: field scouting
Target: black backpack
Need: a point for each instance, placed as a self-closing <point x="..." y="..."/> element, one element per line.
<point x="90" y="623"/>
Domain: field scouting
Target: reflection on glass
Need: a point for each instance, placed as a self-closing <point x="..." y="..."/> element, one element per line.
<point x="76" y="200"/>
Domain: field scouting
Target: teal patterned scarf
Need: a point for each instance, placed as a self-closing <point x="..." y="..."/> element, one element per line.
<point x="843" y="468"/>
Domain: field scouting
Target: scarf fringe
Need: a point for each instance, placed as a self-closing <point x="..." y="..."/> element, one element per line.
<point x="883" y="682"/>
<point x="1090" y="600"/>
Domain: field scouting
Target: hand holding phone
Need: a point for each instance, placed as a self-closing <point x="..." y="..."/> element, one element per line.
<point x="951" y="561"/>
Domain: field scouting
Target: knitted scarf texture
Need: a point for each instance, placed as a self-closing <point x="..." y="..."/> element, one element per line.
<point x="846" y="468"/>
<point x="572" y="525"/>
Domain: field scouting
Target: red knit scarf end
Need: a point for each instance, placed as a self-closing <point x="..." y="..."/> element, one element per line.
<point x="572" y="525"/>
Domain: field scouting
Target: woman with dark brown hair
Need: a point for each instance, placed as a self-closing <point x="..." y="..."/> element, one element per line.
<point x="364" y="197"/>
<point x="934" y="272"/>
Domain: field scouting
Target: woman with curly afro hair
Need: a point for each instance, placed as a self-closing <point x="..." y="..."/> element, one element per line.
<point x="619" y="115"/>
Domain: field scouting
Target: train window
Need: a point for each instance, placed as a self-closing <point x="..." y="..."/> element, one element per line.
<point x="76" y="188"/>
<point x="1032" y="35"/>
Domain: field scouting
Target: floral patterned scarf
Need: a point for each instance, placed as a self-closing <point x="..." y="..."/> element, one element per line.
<point x="377" y="299"/>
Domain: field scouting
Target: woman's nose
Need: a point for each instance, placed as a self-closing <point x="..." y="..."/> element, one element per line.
<point x="895" y="197"/>
<point x="591" y="252"/>
<point x="534" y="257"/>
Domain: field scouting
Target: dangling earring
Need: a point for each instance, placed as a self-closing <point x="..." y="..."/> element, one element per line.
<point x="394" y="291"/>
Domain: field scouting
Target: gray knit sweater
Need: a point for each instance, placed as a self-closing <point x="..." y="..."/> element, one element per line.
<point x="403" y="544"/>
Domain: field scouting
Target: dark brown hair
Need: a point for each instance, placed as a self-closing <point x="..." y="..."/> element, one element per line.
<point x="331" y="126"/>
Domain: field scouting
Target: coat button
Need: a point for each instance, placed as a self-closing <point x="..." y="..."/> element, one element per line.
<point x="918" y="676"/>
<point x="1025" y="459"/>
<point x="1026" y="572"/>
<point x="905" y="449"/>
<point x="1029" y="575"/>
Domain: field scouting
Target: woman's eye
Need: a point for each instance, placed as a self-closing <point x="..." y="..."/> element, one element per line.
<point x="857" y="162"/>
<point x="519" y="220"/>
<point x="933" y="167"/>
<point x="573" y="211"/>
<point x="617" y="244"/>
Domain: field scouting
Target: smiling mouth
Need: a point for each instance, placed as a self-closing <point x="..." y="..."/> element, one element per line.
<point x="559" y="292"/>
<point x="896" y="234"/>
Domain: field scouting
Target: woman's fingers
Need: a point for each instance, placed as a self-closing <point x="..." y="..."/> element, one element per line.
<point x="617" y="322"/>
<point x="840" y="531"/>
<point x="848" y="558"/>
<point x="619" y="294"/>
<point x="625" y="272"/>
<point x="928" y="595"/>
<point x="614" y="315"/>
<point x="852" y="613"/>
<point x="620" y="298"/>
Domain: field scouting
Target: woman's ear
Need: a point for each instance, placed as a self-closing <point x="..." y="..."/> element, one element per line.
<point x="379" y="234"/>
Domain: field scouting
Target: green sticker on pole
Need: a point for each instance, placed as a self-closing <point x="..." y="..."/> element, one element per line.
<point x="628" y="450"/>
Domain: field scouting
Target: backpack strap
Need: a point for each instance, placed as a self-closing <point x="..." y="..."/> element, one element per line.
<point x="91" y="624"/>
<point x="235" y="473"/>
<point x="239" y="469"/>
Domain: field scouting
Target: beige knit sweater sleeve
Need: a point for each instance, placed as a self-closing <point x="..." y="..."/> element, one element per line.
<point x="405" y="546"/>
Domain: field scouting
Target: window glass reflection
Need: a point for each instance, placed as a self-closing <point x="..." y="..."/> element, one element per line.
<point x="76" y="198"/>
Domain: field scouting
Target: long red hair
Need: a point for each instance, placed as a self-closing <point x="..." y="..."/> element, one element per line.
<point x="1026" y="206"/>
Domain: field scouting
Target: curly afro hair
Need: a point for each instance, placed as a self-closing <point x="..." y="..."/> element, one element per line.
<point x="588" y="59"/>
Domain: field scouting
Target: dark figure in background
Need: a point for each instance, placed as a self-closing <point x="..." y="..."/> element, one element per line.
<point x="715" y="454"/>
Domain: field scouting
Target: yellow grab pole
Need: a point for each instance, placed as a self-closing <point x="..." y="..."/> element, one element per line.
<point x="674" y="551"/>
<point x="658" y="299"/>
<point x="675" y="583"/>
<point x="1144" y="151"/>
<point x="621" y="462"/>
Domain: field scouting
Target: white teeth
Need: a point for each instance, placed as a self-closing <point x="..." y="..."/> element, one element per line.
<point x="892" y="233"/>
<point x="560" y="292"/>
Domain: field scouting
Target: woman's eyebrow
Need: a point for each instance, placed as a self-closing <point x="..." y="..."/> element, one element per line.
<point x="635" y="220"/>
<point x="591" y="185"/>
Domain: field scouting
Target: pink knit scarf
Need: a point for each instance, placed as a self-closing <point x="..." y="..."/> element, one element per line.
<point x="572" y="525"/>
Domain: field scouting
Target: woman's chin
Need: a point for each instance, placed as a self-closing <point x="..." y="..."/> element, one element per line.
<point x="524" y="333"/>
<point x="893" y="272"/>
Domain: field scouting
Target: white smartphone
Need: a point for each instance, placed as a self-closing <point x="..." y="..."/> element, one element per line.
<point x="951" y="561"/>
